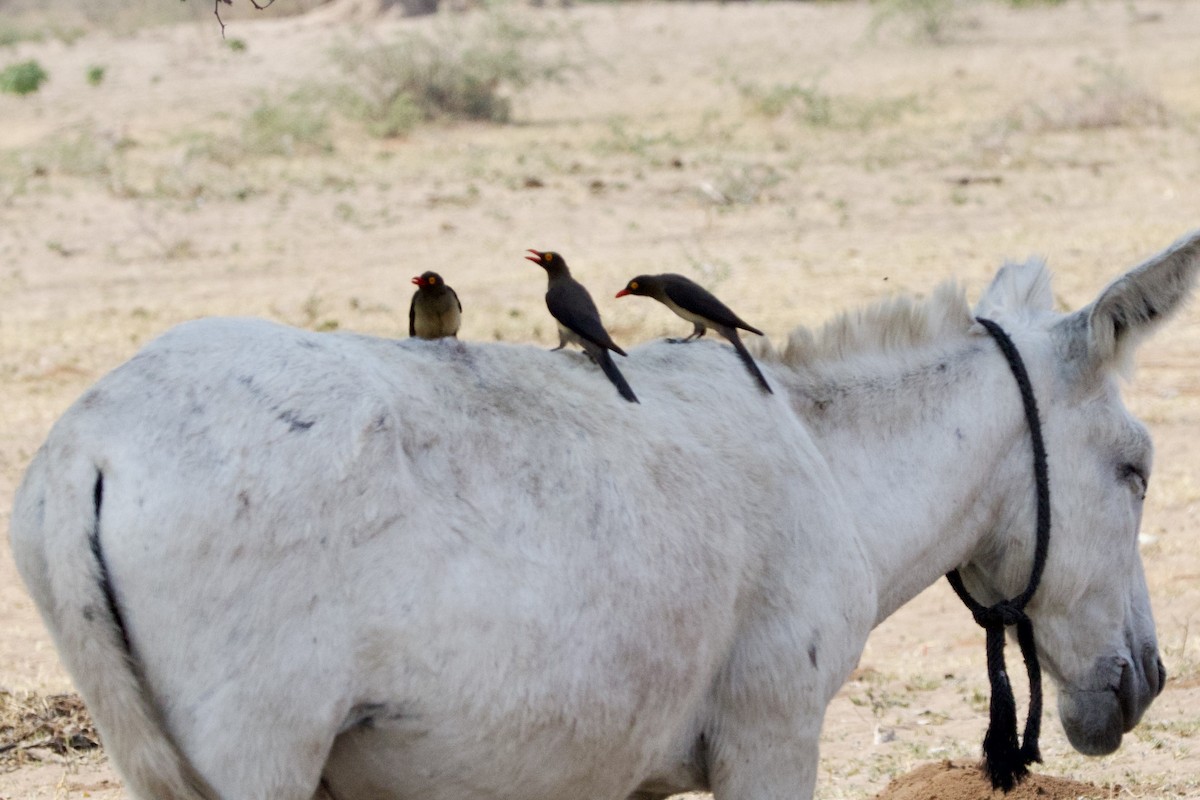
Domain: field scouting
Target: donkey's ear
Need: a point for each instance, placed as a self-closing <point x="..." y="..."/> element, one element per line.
<point x="1133" y="306"/>
<point x="1017" y="286"/>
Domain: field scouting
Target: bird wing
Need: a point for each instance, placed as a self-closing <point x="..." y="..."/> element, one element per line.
<point x="693" y="297"/>
<point x="412" y="316"/>
<point x="454" y="294"/>
<point x="572" y="306"/>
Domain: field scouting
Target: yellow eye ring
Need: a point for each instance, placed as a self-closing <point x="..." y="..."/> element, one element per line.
<point x="633" y="284"/>
<point x="432" y="280"/>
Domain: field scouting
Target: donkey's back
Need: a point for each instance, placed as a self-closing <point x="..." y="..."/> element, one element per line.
<point x="272" y="558"/>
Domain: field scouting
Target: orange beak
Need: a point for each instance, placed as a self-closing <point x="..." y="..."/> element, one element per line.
<point x="623" y="292"/>
<point x="535" y="258"/>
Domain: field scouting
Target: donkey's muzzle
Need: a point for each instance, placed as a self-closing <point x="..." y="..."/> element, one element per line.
<point x="1095" y="719"/>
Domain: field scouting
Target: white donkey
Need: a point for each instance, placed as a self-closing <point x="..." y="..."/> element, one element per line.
<point x="281" y="564"/>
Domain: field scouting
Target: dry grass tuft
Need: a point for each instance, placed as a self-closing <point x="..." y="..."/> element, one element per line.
<point x="1108" y="99"/>
<point x="28" y="721"/>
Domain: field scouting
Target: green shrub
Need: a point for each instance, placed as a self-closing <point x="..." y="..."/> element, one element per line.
<point x="285" y="128"/>
<point x="927" y="20"/>
<point x="24" y="78"/>
<point x="810" y="103"/>
<point x="95" y="75"/>
<point x="76" y="150"/>
<point x="385" y="116"/>
<point x="12" y="34"/>
<point x="461" y="71"/>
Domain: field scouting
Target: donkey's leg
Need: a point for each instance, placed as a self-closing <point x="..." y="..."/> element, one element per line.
<point x="769" y="758"/>
<point x="272" y="746"/>
<point x="767" y="714"/>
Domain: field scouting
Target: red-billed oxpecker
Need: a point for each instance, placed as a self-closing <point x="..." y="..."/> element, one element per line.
<point x="698" y="306"/>
<point x="435" y="310"/>
<point x="578" y="320"/>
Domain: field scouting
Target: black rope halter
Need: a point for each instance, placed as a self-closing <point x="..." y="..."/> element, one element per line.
<point x="1005" y="758"/>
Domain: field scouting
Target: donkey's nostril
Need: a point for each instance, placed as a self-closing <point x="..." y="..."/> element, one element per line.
<point x="1154" y="671"/>
<point x="1127" y="690"/>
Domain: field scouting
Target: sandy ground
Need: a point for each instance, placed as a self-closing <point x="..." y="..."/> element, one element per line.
<point x="781" y="153"/>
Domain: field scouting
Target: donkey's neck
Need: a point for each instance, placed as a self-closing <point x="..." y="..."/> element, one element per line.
<point x="923" y="446"/>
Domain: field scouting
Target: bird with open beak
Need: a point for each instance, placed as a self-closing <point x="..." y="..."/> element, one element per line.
<point x="578" y="320"/>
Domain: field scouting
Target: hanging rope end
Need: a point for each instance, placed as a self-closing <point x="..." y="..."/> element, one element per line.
<point x="1004" y="762"/>
<point x="1002" y="759"/>
<point x="1004" y="776"/>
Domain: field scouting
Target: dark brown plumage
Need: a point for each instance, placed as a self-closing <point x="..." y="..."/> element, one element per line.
<point x="700" y="307"/>
<point x="578" y="320"/>
<point x="435" y="310"/>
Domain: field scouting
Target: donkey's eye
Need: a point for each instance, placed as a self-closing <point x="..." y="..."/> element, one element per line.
<point x="1136" y="478"/>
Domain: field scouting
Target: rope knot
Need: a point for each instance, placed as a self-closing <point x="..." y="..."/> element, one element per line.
<point x="1002" y="614"/>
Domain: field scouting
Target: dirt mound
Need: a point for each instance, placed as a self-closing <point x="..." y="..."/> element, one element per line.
<point x="948" y="780"/>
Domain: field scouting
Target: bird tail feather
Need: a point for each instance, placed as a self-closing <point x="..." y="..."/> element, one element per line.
<point x="610" y="369"/>
<point x="748" y="360"/>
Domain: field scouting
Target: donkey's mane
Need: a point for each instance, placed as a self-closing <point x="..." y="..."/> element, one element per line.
<point x="898" y="323"/>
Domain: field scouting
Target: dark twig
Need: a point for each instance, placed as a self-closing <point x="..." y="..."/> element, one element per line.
<point x="217" y="10"/>
<point x="217" y="13"/>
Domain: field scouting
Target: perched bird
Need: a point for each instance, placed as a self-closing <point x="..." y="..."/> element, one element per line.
<point x="698" y="306"/>
<point x="435" y="310"/>
<point x="578" y="320"/>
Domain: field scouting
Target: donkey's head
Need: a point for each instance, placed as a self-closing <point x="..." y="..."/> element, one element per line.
<point x="1091" y="613"/>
